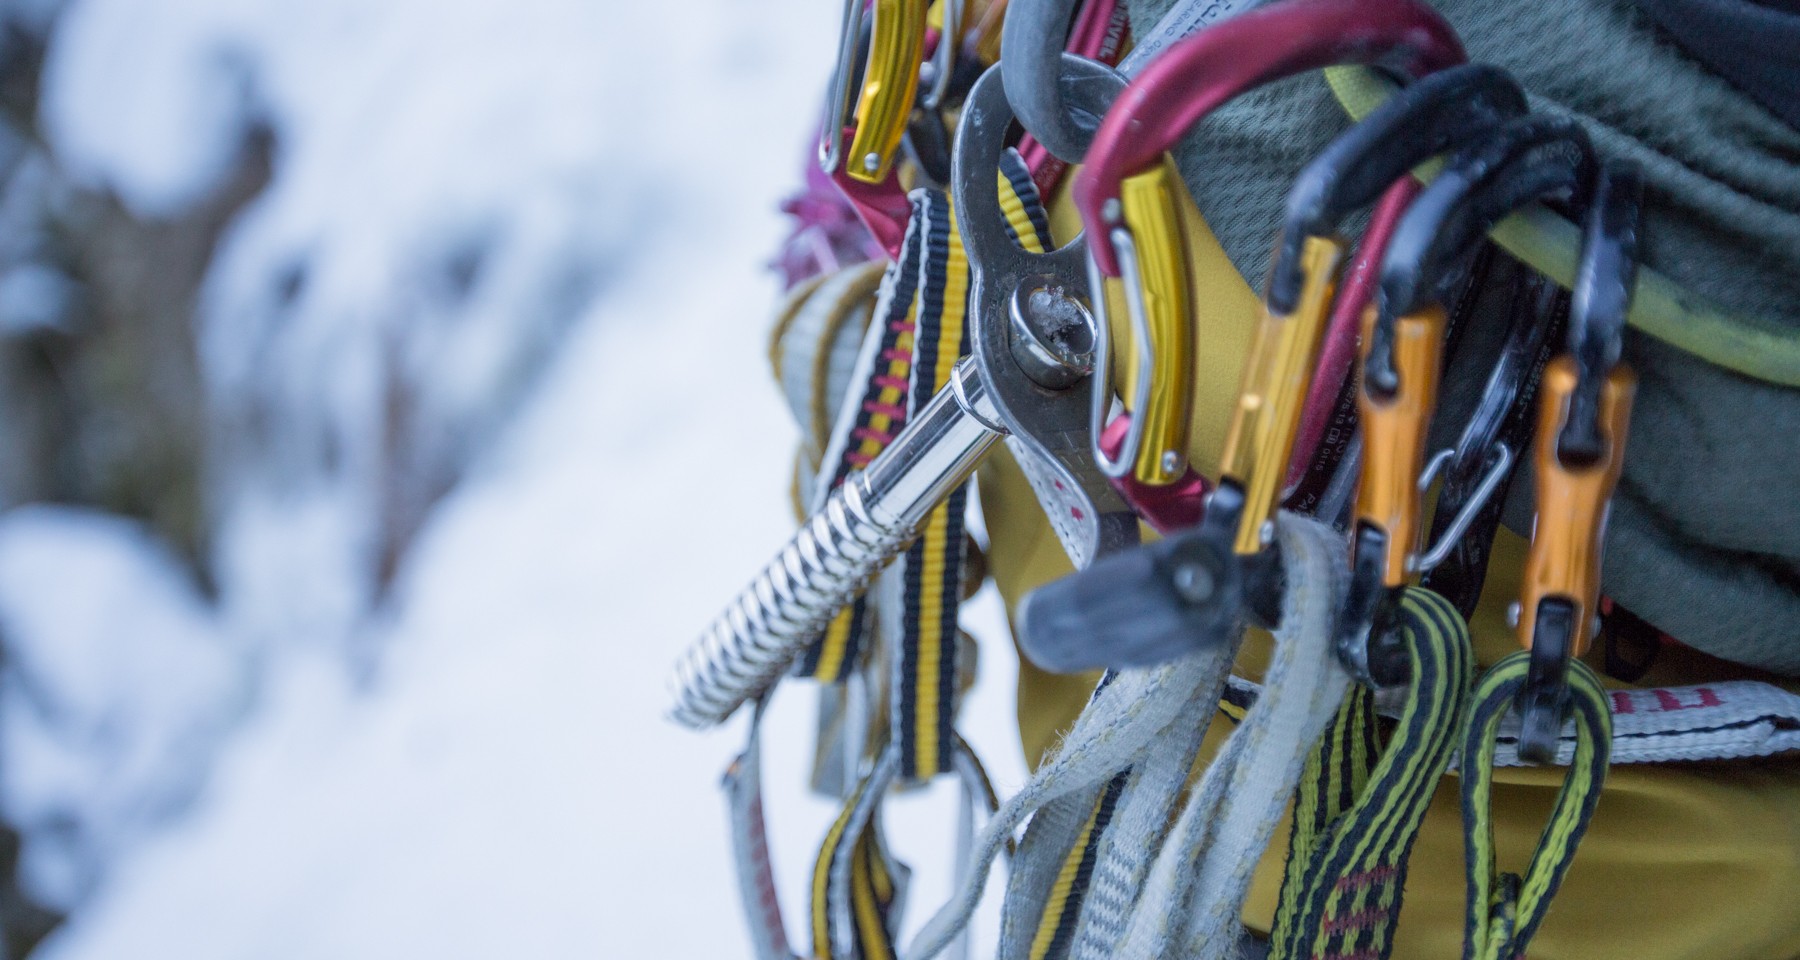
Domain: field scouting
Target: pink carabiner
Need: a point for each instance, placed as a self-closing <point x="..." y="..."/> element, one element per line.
<point x="882" y="207"/>
<point x="1166" y="508"/>
<point x="1202" y="72"/>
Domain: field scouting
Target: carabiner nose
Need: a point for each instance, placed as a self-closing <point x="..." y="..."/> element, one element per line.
<point x="1448" y="109"/>
<point x="1532" y="158"/>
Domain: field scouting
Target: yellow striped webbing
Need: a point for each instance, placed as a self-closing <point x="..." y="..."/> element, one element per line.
<point x="1354" y="825"/>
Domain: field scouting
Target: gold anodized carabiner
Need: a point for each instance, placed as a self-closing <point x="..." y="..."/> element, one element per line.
<point x="1277" y="372"/>
<point x="1567" y="538"/>
<point x="1158" y="298"/>
<point x="890" y="86"/>
<point x="1395" y="429"/>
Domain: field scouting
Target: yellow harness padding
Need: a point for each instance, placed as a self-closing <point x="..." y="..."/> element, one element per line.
<point x="1681" y="860"/>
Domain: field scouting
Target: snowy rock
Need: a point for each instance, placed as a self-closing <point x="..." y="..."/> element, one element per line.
<point x="115" y="689"/>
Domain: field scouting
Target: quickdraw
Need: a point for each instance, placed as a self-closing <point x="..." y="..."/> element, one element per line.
<point x="1403" y="339"/>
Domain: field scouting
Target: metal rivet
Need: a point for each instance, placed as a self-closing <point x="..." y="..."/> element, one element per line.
<point x="1111" y="211"/>
<point x="1171" y="461"/>
<point x="1194" y="583"/>
<point x="872" y="162"/>
<point x="1513" y="612"/>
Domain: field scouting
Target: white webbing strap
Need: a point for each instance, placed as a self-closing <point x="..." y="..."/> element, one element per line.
<point x="1730" y="720"/>
<point x="1192" y="900"/>
<point x="750" y="848"/>
<point x="1145" y="811"/>
<point x="1734" y="720"/>
<point x="1117" y="727"/>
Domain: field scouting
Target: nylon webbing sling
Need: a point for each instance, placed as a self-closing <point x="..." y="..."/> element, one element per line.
<point x="813" y="348"/>
<point x="855" y="888"/>
<point x="924" y="661"/>
<point x="1056" y="931"/>
<point x="750" y="847"/>
<point x="858" y="888"/>
<point x="874" y="410"/>
<point x="1504" y="909"/>
<point x="1353" y="831"/>
<point x="1191" y="900"/>
<point x="1055" y="926"/>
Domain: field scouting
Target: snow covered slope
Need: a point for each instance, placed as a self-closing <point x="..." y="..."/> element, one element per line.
<point x="481" y="768"/>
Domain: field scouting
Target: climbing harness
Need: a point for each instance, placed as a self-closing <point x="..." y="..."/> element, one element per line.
<point x="958" y="323"/>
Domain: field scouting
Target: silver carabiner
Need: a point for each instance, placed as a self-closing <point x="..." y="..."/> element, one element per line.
<point x="1100" y="406"/>
<point x="837" y="111"/>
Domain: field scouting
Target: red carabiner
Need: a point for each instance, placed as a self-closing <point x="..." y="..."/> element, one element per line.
<point x="1199" y="74"/>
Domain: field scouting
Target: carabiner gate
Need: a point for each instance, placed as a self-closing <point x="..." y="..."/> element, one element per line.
<point x="890" y="85"/>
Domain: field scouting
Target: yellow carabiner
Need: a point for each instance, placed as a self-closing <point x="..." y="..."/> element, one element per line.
<point x="890" y="86"/>
<point x="1155" y="279"/>
<point x="1277" y="373"/>
<point x="1394" y="435"/>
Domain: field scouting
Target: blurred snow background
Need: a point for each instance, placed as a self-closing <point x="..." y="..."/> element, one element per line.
<point x="383" y="406"/>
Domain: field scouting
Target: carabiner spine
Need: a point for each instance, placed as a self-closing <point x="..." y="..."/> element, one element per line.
<point x="1277" y="372"/>
<point x="1568" y="536"/>
<point x="1159" y="301"/>
<point x="1395" y="431"/>
<point x="890" y="86"/>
